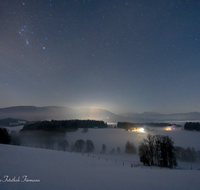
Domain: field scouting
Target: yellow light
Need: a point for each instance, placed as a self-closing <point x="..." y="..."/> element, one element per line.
<point x="141" y="130"/>
<point x="168" y="129"/>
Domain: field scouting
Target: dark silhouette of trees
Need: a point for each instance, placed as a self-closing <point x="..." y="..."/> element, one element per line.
<point x="158" y="150"/>
<point x="79" y="145"/>
<point x="103" y="149"/>
<point x="130" y="148"/>
<point x="187" y="155"/>
<point x="63" y="145"/>
<point x="144" y="154"/>
<point x="4" y="136"/>
<point x="64" y="125"/>
<point x="192" y="126"/>
<point x="89" y="146"/>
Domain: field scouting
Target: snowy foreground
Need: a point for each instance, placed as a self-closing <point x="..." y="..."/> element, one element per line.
<point x="34" y="168"/>
<point x="52" y="170"/>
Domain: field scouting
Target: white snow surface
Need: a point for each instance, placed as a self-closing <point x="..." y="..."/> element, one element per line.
<point x="59" y="170"/>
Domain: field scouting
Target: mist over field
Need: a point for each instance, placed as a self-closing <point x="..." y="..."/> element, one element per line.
<point x="111" y="137"/>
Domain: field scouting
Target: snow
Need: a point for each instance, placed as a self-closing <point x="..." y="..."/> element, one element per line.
<point x="64" y="170"/>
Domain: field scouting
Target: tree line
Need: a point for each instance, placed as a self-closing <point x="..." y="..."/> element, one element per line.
<point x="188" y="154"/>
<point x="192" y="126"/>
<point x="64" y="125"/>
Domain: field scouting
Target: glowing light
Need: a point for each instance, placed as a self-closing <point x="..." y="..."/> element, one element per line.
<point x="141" y="130"/>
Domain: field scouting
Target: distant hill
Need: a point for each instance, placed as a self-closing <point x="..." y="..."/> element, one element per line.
<point x="32" y="113"/>
<point x="9" y="121"/>
<point x="152" y="116"/>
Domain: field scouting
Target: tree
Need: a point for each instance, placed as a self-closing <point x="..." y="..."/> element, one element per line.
<point x="186" y="155"/>
<point x="112" y="151"/>
<point x="4" y="136"/>
<point x="103" y="149"/>
<point x="179" y="151"/>
<point x="150" y="140"/>
<point x="192" y="126"/>
<point x="79" y="145"/>
<point x="170" y="152"/>
<point x="89" y="146"/>
<point x="130" y="148"/>
<point x="118" y="150"/>
<point x="158" y="150"/>
<point x="63" y="145"/>
<point x="144" y="154"/>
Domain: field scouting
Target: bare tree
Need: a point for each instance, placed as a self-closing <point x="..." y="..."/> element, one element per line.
<point x="157" y="150"/>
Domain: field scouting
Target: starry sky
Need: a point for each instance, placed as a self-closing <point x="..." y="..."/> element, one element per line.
<point x="120" y="55"/>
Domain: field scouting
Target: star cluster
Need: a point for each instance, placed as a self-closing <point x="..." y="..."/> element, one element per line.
<point x="125" y="56"/>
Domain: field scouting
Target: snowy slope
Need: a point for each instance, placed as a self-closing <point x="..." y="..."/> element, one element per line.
<point x="71" y="171"/>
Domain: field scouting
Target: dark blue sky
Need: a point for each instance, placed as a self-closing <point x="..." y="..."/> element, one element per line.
<point x="121" y="55"/>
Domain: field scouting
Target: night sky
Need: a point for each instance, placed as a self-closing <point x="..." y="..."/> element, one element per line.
<point x="120" y="55"/>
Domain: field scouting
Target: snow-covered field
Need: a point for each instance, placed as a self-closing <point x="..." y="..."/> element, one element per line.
<point x="64" y="170"/>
